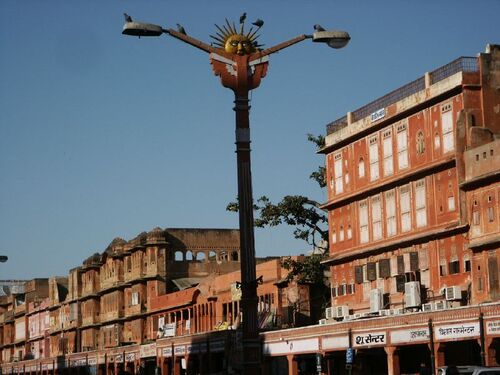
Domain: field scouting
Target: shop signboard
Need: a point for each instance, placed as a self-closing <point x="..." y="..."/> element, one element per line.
<point x="148" y="350"/>
<point x="217" y="346"/>
<point x="179" y="350"/>
<point x="493" y="328"/>
<point x="291" y="346"/>
<point x="337" y="342"/>
<point x="410" y="335"/>
<point x="166" y="352"/>
<point x="456" y="331"/>
<point x="369" y="339"/>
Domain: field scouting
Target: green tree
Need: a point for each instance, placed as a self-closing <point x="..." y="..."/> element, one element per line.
<point x="308" y="218"/>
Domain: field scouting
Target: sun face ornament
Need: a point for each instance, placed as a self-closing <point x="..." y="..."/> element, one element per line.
<point x="234" y="41"/>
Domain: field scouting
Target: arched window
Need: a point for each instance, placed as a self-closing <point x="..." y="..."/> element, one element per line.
<point x="212" y="256"/>
<point x="361" y="168"/>
<point x="234" y="256"/>
<point x="179" y="256"/>
<point x="189" y="256"/>
<point x="200" y="256"/>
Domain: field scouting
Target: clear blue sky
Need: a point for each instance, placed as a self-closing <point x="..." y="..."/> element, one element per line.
<point x="105" y="136"/>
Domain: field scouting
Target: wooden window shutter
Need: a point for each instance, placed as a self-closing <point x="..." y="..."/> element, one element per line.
<point x="400" y="283"/>
<point x="401" y="265"/>
<point x="358" y="274"/>
<point x="414" y="261"/>
<point x="384" y="268"/>
<point x="371" y="271"/>
<point x="493" y="277"/>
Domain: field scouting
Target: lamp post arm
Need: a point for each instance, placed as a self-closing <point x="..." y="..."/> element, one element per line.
<point x="190" y="40"/>
<point x="283" y="45"/>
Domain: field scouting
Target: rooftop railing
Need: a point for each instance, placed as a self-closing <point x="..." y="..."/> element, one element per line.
<point x="462" y="64"/>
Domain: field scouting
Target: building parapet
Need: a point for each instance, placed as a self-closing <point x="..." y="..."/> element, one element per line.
<point x="410" y="95"/>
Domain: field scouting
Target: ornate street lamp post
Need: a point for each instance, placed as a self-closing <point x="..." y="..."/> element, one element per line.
<point x="239" y="62"/>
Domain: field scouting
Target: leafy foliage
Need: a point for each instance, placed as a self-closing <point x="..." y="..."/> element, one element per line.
<point x="309" y="271"/>
<point x="309" y="220"/>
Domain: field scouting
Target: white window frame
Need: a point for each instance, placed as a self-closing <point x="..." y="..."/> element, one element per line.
<point x="374" y="159"/>
<point x="390" y="213"/>
<point x="376" y="211"/>
<point x="420" y="204"/>
<point x="447" y="128"/>
<point x="361" y="168"/>
<point x="387" y="153"/>
<point x="363" y="222"/>
<point x="405" y="207"/>
<point x="337" y="172"/>
<point x="402" y="146"/>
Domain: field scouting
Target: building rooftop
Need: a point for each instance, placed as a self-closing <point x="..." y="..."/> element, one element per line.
<point x="462" y="64"/>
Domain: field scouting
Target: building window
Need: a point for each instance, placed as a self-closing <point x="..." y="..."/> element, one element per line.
<point x="373" y="151"/>
<point x="376" y="218"/>
<point x="420" y="203"/>
<point x="437" y="141"/>
<point x="135" y="298"/>
<point x="447" y="128"/>
<point x="476" y="217"/>
<point x="451" y="203"/>
<point x="341" y="233"/>
<point x="361" y="168"/>
<point x="334" y="236"/>
<point x="405" y="206"/>
<point x="402" y="140"/>
<point x="491" y="214"/>
<point x="363" y="222"/>
<point x="349" y="232"/>
<point x="337" y="170"/>
<point x="420" y="143"/>
<point x="467" y="266"/>
<point x="390" y="213"/>
<point x="454" y="267"/>
<point x="442" y="269"/>
<point x="387" y="151"/>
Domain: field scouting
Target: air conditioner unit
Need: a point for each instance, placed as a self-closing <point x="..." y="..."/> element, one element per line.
<point x="322" y="322"/>
<point x="412" y="294"/>
<point x="441" y="305"/>
<point x="376" y="300"/>
<point x="341" y="311"/>
<point x="453" y="293"/>
<point x="427" y="307"/>
<point x="329" y="313"/>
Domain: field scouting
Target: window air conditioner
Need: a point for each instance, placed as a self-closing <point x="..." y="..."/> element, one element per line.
<point x="453" y="293"/>
<point x="412" y="294"/>
<point x="322" y="322"/>
<point x="441" y="305"/>
<point x="341" y="311"/>
<point x="376" y="300"/>
<point x="427" y="307"/>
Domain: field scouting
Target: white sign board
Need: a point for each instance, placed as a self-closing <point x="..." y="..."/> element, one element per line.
<point x="369" y="339"/>
<point x="410" y="335"/>
<point x="148" y="350"/>
<point x="456" y="331"/>
<point x="291" y="346"/>
<point x="377" y="115"/>
<point x="339" y="342"/>
<point x="493" y="328"/>
<point x="166" y="352"/>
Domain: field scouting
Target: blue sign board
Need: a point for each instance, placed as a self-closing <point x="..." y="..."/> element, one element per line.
<point x="349" y="356"/>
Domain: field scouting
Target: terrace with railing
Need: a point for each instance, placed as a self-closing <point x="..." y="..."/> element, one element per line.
<point x="462" y="64"/>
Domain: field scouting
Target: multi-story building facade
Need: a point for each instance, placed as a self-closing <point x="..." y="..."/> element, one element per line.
<point x="413" y="204"/>
<point x="126" y="307"/>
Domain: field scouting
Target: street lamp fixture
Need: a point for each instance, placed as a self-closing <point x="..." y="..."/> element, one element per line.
<point x="236" y="57"/>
